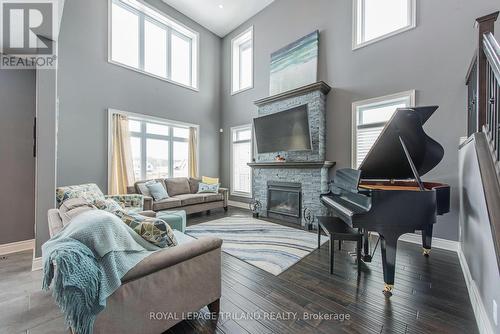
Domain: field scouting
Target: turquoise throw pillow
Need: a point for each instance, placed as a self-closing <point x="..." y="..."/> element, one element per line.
<point x="204" y="188"/>
<point x="157" y="190"/>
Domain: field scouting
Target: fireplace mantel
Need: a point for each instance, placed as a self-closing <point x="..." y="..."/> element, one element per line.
<point x="318" y="86"/>
<point x="291" y="164"/>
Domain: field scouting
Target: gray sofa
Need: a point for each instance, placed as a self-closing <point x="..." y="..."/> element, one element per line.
<point x="183" y="195"/>
<point x="174" y="281"/>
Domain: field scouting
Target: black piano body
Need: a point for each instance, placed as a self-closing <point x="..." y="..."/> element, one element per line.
<point x="386" y="193"/>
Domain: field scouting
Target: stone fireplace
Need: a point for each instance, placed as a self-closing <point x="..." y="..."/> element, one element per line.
<point x="284" y="200"/>
<point x="286" y="189"/>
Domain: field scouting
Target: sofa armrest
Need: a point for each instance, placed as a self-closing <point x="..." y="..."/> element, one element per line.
<point x="225" y="194"/>
<point x="130" y="201"/>
<point x="172" y="256"/>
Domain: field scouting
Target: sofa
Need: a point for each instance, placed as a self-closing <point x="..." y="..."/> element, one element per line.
<point x="163" y="287"/>
<point x="183" y="195"/>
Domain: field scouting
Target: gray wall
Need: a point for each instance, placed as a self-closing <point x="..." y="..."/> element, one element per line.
<point x="433" y="59"/>
<point x="476" y="239"/>
<point x="88" y="85"/>
<point x="17" y="168"/>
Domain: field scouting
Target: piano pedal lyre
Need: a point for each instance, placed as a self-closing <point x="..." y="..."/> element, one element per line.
<point x="426" y="252"/>
<point x="388" y="289"/>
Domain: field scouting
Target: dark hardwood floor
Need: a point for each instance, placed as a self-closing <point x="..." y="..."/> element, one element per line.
<point x="430" y="296"/>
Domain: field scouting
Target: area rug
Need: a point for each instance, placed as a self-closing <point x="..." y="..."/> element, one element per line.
<point x="271" y="247"/>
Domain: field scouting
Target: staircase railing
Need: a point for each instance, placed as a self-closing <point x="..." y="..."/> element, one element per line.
<point x="477" y="80"/>
<point x="483" y="119"/>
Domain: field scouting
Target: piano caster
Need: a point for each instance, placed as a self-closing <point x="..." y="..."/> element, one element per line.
<point x="426" y="252"/>
<point x="388" y="290"/>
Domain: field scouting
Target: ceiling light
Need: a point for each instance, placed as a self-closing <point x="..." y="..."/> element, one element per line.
<point x="221" y="6"/>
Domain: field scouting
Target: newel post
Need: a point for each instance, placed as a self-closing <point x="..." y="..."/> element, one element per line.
<point x="485" y="24"/>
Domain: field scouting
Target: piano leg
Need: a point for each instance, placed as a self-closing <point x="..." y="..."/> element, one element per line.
<point x="388" y="245"/>
<point x="366" y="246"/>
<point x="427" y="239"/>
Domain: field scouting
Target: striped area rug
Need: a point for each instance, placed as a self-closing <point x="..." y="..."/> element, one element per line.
<point x="271" y="247"/>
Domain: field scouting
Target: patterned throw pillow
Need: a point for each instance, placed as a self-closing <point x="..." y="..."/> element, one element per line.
<point x="108" y="205"/>
<point x="210" y="180"/>
<point x="154" y="230"/>
<point x="157" y="190"/>
<point x="204" y="188"/>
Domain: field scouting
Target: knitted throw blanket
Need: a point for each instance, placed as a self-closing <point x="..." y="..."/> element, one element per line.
<point x="86" y="261"/>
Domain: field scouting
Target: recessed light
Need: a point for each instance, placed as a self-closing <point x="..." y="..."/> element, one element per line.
<point x="221" y="6"/>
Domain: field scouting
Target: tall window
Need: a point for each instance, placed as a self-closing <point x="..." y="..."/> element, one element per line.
<point x="369" y="118"/>
<point x="241" y="155"/>
<point x="148" y="41"/>
<point x="159" y="149"/>
<point x="242" y="61"/>
<point x="375" y="20"/>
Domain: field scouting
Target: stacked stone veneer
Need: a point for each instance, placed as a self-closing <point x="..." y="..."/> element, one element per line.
<point x="314" y="181"/>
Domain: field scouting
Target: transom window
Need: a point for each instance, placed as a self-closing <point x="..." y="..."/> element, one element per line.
<point x="370" y="117"/>
<point x="375" y="20"/>
<point x="159" y="149"/>
<point x="241" y="155"/>
<point x="143" y="39"/>
<point x="242" y="61"/>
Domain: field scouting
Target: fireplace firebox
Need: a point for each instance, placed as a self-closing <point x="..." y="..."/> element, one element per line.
<point x="284" y="201"/>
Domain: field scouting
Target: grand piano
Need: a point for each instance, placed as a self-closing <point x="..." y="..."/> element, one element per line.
<point x="386" y="194"/>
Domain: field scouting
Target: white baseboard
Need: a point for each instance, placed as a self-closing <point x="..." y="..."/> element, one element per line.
<point x="483" y="322"/>
<point x="436" y="242"/>
<point x="15" y="247"/>
<point x="37" y="264"/>
<point x="236" y="204"/>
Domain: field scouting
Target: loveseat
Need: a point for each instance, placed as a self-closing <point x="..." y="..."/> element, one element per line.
<point x="182" y="192"/>
<point x="162" y="288"/>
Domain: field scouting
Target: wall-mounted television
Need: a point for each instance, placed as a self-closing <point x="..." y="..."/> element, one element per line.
<point x="283" y="131"/>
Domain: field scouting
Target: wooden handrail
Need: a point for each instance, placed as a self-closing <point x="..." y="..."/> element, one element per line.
<point x="492" y="52"/>
<point x="477" y="76"/>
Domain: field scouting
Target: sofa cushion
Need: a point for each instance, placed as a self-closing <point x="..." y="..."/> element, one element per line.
<point x="194" y="184"/>
<point x="177" y="186"/>
<point x="213" y="197"/>
<point x="190" y="199"/>
<point x="167" y="203"/>
<point x="142" y="188"/>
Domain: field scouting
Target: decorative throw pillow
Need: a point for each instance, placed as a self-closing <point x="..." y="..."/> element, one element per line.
<point x="154" y="230"/>
<point x="204" y="188"/>
<point x="157" y="190"/>
<point x="210" y="180"/>
<point x="108" y="205"/>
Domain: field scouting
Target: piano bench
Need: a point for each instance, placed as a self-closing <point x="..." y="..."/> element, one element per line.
<point x="336" y="229"/>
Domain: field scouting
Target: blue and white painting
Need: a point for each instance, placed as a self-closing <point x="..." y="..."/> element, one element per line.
<point x="295" y="65"/>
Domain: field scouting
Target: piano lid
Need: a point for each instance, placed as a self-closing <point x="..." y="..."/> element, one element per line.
<point x="387" y="159"/>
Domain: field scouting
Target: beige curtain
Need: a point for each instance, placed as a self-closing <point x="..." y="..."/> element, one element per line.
<point x="122" y="166"/>
<point x="193" y="149"/>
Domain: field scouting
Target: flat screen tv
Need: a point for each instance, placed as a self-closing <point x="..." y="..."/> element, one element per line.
<point x="283" y="131"/>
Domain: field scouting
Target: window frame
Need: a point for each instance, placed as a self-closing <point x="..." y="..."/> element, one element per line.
<point x="408" y="95"/>
<point x="170" y="26"/>
<point x="234" y="129"/>
<point x="358" y="23"/>
<point x="143" y="135"/>
<point x="233" y="41"/>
